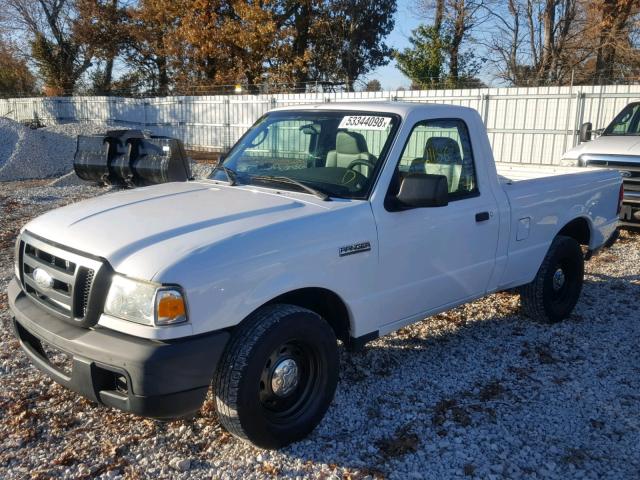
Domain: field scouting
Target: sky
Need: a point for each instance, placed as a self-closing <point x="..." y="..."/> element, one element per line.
<point x="406" y="21"/>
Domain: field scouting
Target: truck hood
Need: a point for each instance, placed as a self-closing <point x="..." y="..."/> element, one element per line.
<point x="122" y="226"/>
<point x="610" y="145"/>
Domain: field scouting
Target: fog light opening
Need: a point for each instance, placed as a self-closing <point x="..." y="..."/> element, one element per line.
<point x="121" y="384"/>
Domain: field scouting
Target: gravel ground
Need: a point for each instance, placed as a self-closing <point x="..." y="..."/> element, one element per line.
<point x="478" y="392"/>
<point x="43" y="152"/>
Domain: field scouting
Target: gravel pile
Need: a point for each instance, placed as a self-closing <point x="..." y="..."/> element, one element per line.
<point x="47" y="152"/>
<point x="478" y="392"/>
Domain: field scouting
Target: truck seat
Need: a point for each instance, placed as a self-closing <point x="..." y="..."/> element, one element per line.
<point x="442" y="150"/>
<point x="441" y="157"/>
<point x="350" y="146"/>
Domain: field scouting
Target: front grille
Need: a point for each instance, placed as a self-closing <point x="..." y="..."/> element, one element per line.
<point x="85" y="280"/>
<point x="59" y="280"/>
<point x="628" y="166"/>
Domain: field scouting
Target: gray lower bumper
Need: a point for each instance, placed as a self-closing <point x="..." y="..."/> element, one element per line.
<point x="630" y="215"/>
<point x="149" y="378"/>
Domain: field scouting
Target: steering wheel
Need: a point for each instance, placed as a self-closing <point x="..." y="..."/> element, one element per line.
<point x="366" y="163"/>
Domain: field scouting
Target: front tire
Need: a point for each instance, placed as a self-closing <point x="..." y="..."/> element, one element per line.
<point x="555" y="290"/>
<point x="277" y="377"/>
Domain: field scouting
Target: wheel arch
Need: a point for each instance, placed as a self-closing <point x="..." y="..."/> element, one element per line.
<point x="579" y="229"/>
<point x="326" y="303"/>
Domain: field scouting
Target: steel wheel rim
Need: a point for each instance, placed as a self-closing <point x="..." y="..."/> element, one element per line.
<point x="288" y="403"/>
<point x="563" y="281"/>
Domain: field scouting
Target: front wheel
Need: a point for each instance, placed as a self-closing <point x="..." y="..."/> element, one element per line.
<point x="277" y="376"/>
<point x="555" y="290"/>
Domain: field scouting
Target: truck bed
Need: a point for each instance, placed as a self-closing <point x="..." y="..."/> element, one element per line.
<point x="543" y="199"/>
<point x="516" y="172"/>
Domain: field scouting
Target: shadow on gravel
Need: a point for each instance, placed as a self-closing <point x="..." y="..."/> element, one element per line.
<point x="626" y="279"/>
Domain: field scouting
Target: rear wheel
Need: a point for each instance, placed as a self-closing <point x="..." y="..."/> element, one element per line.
<point x="555" y="290"/>
<point x="277" y="376"/>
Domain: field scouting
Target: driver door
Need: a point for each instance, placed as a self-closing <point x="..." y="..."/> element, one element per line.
<point x="438" y="256"/>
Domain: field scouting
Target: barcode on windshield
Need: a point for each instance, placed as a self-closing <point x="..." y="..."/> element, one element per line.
<point x="365" y="122"/>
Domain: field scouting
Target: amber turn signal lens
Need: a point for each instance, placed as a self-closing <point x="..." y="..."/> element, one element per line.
<point x="170" y="307"/>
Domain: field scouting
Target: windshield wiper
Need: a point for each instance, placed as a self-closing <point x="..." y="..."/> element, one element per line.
<point x="275" y="179"/>
<point x="231" y="174"/>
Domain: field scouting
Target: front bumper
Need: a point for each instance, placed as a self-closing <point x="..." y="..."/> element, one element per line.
<point x="145" y="377"/>
<point x="630" y="214"/>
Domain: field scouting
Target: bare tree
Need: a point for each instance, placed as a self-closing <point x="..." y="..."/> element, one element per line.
<point x="613" y="21"/>
<point x="537" y="42"/>
<point x="466" y="15"/>
<point x="46" y="28"/>
<point x="506" y="40"/>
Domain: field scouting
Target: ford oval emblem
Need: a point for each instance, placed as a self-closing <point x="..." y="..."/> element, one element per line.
<point x="42" y="278"/>
<point x="625" y="173"/>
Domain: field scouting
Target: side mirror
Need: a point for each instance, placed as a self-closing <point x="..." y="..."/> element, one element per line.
<point x="585" y="132"/>
<point x="419" y="190"/>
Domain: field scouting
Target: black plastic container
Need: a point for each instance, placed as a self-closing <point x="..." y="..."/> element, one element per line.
<point x="122" y="155"/>
<point x="129" y="158"/>
<point x="91" y="160"/>
<point x="159" y="160"/>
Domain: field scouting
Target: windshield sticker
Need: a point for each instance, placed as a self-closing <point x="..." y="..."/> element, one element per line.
<point x="365" y="122"/>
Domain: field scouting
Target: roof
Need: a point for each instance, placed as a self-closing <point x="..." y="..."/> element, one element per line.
<point x="400" y="108"/>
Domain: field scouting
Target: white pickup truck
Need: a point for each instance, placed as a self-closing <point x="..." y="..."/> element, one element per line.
<point x="617" y="147"/>
<point x="324" y="223"/>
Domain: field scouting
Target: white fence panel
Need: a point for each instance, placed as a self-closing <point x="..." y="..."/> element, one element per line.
<point x="525" y="125"/>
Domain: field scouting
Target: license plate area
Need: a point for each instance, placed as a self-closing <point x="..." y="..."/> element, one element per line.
<point x="61" y="361"/>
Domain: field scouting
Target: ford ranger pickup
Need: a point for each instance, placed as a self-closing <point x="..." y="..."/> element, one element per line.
<point x="324" y="224"/>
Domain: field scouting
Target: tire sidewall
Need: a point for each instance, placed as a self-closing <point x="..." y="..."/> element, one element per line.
<point x="304" y="327"/>
<point x="566" y="253"/>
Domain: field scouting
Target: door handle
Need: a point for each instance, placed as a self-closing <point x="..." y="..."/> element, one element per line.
<point x="482" y="216"/>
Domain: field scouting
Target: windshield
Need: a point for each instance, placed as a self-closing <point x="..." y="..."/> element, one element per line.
<point x="627" y="122"/>
<point x="332" y="153"/>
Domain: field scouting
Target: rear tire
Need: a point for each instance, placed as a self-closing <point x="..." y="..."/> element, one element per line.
<point x="277" y="377"/>
<point x="555" y="290"/>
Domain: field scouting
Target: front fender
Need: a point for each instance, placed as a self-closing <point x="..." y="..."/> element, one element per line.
<point x="227" y="281"/>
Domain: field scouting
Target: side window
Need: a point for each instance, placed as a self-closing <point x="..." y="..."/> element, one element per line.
<point x="441" y="147"/>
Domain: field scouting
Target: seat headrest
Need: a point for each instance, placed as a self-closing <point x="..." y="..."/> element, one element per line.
<point x="351" y="143"/>
<point x="442" y="150"/>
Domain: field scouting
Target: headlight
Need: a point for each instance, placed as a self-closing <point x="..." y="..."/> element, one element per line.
<point x="569" y="162"/>
<point x="144" y="302"/>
